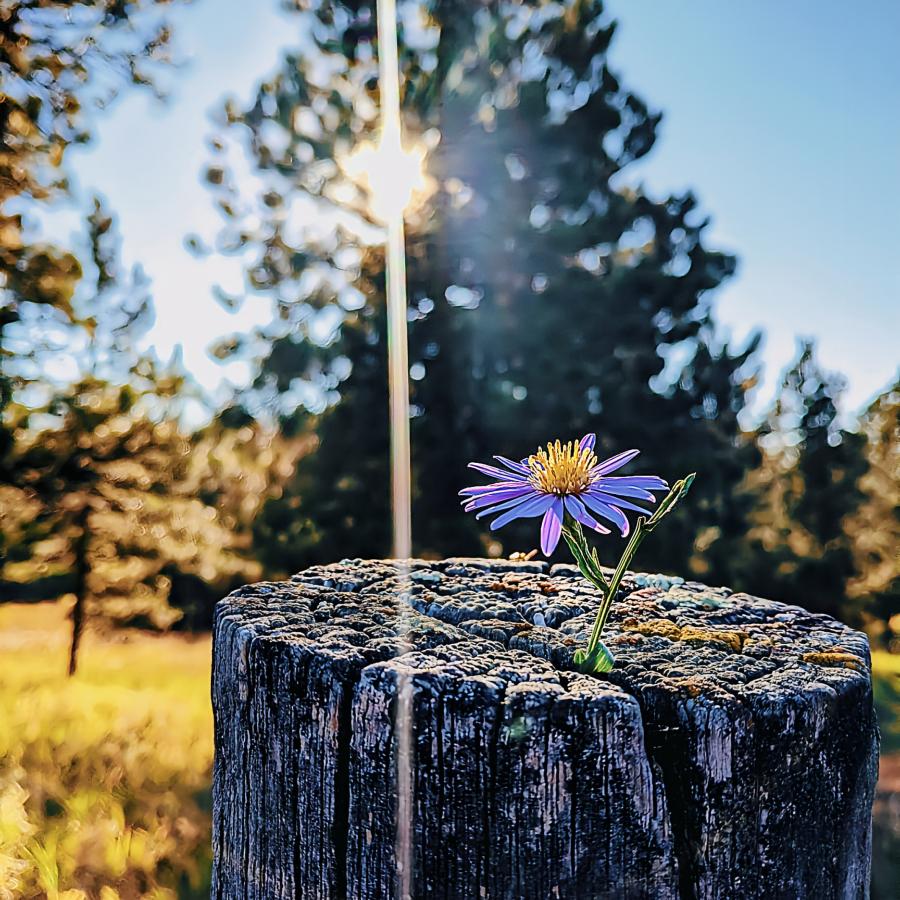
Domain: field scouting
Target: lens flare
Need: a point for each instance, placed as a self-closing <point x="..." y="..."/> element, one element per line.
<point x="392" y="175"/>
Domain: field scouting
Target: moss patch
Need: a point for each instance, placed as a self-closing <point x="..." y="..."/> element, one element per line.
<point x="733" y="640"/>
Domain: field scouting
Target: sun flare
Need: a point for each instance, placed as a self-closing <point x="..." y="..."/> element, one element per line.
<point x="392" y="175"/>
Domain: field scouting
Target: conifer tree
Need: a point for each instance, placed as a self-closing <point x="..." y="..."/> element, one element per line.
<point x="106" y="465"/>
<point x="811" y="485"/>
<point x="62" y="61"/>
<point x="874" y="530"/>
<point x="546" y="292"/>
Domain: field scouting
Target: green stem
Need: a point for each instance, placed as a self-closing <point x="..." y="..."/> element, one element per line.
<point x="589" y="564"/>
<point x="609" y="595"/>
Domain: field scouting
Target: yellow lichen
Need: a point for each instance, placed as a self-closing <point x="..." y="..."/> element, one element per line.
<point x="835" y="658"/>
<point x="734" y="640"/>
<point x="515" y="584"/>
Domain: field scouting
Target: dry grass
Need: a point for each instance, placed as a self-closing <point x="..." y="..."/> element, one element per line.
<point x="105" y="777"/>
<point x="886" y="685"/>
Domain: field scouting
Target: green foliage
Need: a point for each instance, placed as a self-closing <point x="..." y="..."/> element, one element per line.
<point x="337" y="504"/>
<point x="62" y="61"/>
<point x="235" y="466"/>
<point x="809" y="488"/>
<point x="546" y="295"/>
<point x="594" y="660"/>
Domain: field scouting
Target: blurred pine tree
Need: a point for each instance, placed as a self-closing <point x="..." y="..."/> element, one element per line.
<point x="810" y="488"/>
<point x="61" y="62"/>
<point x="548" y="296"/>
<point x="874" y="530"/>
<point x="106" y="467"/>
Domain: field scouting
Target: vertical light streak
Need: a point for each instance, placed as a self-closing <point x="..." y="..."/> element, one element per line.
<point x="398" y="359"/>
<point x="398" y="386"/>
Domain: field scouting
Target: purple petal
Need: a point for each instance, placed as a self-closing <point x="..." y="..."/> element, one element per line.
<point x="480" y="489"/>
<point x="618" y="501"/>
<point x="647" y="482"/>
<point x="588" y="442"/>
<point x="612" y="513"/>
<point x="498" y="497"/>
<point x="497" y="505"/>
<point x="623" y="490"/>
<point x="517" y="467"/>
<point x="551" y="527"/>
<point x="528" y="506"/>
<point x="494" y="472"/>
<point x="493" y="510"/>
<point x="614" y="462"/>
<point x="580" y="514"/>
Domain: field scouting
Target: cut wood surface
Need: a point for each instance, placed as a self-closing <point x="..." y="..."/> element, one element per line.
<point x="731" y="753"/>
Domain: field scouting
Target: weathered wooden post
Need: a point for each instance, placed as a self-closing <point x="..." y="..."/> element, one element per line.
<point x="731" y="753"/>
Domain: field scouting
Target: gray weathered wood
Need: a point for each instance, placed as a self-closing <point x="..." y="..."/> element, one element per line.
<point x="731" y="753"/>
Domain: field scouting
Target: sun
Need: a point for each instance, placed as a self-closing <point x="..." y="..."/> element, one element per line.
<point x="392" y="175"/>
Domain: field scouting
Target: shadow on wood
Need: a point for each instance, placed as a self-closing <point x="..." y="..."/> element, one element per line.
<point x="731" y="753"/>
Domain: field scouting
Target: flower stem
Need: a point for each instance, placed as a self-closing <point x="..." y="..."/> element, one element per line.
<point x="595" y="654"/>
<point x="631" y="549"/>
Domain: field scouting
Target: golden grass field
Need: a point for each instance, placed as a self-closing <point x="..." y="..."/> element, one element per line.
<point x="105" y="777"/>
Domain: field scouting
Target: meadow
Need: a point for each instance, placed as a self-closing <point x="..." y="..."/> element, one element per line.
<point x="105" y="777"/>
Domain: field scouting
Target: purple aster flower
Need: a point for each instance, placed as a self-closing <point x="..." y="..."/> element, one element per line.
<point x="561" y="479"/>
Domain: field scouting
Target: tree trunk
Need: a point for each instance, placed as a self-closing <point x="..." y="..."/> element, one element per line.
<point x="731" y="753"/>
<point x="81" y="585"/>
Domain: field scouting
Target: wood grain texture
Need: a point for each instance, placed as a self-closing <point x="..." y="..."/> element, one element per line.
<point x="731" y="753"/>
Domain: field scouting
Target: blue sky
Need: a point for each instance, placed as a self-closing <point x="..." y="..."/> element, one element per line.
<point x="782" y="117"/>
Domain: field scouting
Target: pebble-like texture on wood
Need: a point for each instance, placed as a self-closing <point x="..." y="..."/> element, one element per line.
<point x="731" y="753"/>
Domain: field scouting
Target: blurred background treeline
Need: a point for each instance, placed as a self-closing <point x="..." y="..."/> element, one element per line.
<point x="549" y="297"/>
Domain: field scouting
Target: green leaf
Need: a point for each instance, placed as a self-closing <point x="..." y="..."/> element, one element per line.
<point x="600" y="659"/>
<point x="585" y="558"/>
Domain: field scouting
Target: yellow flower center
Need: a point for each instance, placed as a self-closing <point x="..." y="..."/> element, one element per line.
<point x="562" y="468"/>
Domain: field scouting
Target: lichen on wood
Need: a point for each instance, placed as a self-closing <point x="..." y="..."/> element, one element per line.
<point x="731" y="753"/>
